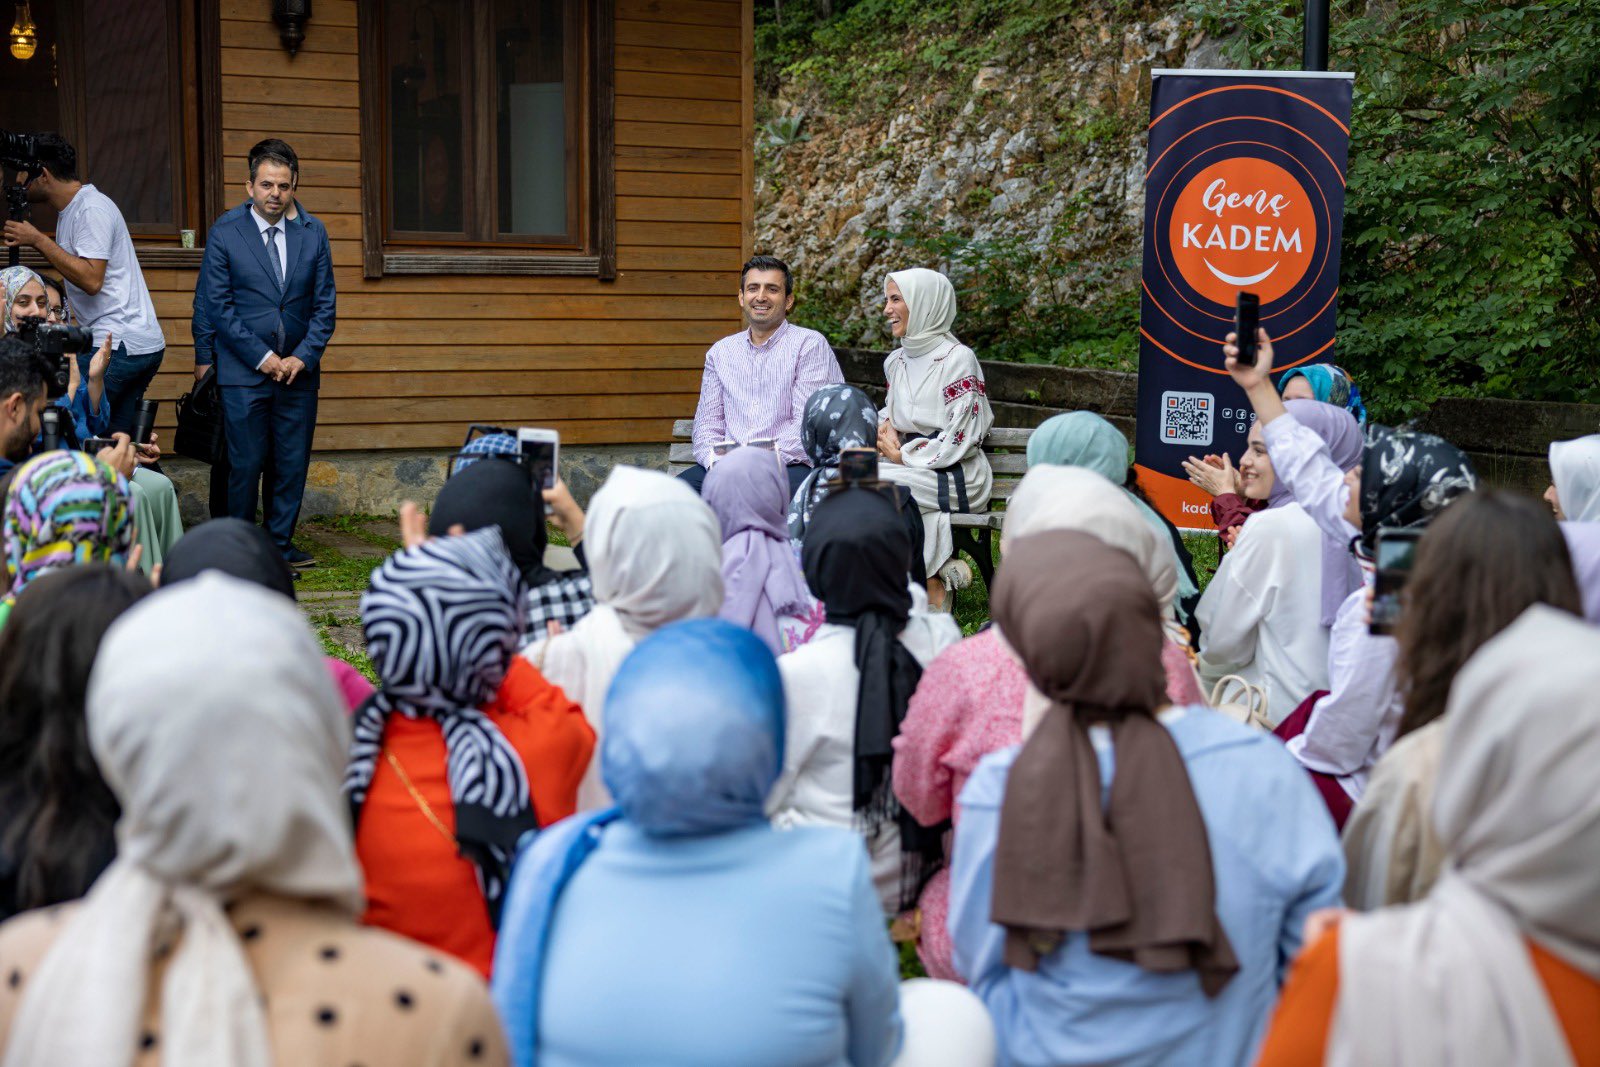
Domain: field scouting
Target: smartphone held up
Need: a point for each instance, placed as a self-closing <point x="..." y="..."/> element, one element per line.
<point x="1246" y="323"/>
<point x="541" y="453"/>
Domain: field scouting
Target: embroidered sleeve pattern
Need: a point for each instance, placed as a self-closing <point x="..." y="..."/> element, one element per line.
<point x="967" y="418"/>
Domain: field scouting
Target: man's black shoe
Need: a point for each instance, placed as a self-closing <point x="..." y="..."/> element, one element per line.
<point x="298" y="559"/>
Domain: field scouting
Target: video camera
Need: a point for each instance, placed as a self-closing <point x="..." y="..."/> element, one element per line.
<point x="20" y="152"/>
<point x="57" y="340"/>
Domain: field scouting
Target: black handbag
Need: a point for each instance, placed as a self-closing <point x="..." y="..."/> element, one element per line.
<point x="199" y="433"/>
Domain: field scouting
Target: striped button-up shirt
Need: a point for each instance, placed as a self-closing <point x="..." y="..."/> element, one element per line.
<point x="752" y="391"/>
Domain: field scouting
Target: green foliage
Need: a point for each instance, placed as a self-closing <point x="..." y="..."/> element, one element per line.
<point x="1471" y="257"/>
<point x="870" y="51"/>
<point x="783" y="131"/>
<point x="1030" y="303"/>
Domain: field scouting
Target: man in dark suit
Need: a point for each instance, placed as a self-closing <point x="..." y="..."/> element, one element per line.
<point x="205" y="334"/>
<point x="266" y="290"/>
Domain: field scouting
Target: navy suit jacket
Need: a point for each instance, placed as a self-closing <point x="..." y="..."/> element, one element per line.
<point x="243" y="311"/>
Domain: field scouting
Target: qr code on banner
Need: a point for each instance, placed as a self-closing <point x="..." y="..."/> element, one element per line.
<point x="1188" y="418"/>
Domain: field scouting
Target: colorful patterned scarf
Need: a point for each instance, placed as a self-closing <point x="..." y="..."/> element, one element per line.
<point x="65" y="507"/>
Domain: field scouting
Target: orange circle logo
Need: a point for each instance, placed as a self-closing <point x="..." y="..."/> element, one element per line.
<point x="1243" y="223"/>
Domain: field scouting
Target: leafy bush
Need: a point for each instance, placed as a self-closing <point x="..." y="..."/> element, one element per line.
<point x="1471" y="259"/>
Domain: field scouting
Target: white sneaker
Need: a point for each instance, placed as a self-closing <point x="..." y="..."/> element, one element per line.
<point x="955" y="574"/>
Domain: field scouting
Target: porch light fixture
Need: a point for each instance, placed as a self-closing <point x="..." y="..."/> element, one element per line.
<point x="291" y="17"/>
<point x="24" y="35"/>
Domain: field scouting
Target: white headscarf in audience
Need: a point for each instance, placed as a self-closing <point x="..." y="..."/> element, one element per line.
<point x="1076" y="498"/>
<point x="224" y="741"/>
<point x="1051" y="497"/>
<point x="654" y="550"/>
<point x="1575" y="470"/>
<point x="1449" y="980"/>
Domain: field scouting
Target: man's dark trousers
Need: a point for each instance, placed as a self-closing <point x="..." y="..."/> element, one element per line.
<point x="696" y="476"/>
<point x="269" y="427"/>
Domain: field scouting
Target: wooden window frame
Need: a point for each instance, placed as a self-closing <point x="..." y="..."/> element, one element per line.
<point x="596" y="258"/>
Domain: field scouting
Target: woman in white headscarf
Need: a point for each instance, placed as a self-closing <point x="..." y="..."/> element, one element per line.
<point x="1574" y="494"/>
<point x="1574" y="490"/>
<point x="1500" y="962"/>
<point x="225" y="931"/>
<point x="654" y="551"/>
<point x="934" y="418"/>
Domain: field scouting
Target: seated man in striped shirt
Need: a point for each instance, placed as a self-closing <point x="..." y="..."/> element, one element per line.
<point x="757" y="382"/>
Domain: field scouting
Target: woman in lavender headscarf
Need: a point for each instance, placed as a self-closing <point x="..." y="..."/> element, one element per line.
<point x="763" y="588"/>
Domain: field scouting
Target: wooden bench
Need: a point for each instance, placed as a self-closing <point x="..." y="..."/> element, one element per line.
<point x="973" y="532"/>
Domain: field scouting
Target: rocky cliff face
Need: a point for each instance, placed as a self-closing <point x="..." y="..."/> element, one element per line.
<point x="1042" y="148"/>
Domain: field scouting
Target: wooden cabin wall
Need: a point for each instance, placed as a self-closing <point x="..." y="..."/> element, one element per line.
<point x="415" y="358"/>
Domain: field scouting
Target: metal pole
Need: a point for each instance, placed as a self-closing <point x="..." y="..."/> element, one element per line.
<point x="1314" y="55"/>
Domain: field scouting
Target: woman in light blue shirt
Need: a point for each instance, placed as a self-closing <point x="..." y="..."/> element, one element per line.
<point x="678" y="927"/>
<point x="1150" y="912"/>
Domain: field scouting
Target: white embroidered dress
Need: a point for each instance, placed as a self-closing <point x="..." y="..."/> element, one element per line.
<point x="940" y="397"/>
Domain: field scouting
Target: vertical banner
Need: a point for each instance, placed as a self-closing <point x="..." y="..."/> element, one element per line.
<point x="1244" y="191"/>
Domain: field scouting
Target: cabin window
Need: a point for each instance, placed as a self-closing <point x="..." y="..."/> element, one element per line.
<point x="480" y="129"/>
<point x="116" y="80"/>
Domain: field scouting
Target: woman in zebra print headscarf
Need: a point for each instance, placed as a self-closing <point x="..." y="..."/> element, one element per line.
<point x="443" y="621"/>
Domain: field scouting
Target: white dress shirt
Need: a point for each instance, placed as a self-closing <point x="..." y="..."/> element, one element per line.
<point x="283" y="254"/>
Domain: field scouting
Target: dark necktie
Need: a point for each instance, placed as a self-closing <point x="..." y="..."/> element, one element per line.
<point x="272" y="254"/>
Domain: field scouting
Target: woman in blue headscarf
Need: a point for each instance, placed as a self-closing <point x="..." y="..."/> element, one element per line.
<point x="678" y="927"/>
<point x="1324" y="382"/>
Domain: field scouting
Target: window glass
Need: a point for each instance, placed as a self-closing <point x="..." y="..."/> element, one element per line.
<point x="428" y="117"/>
<point x="532" y="127"/>
<point x="128" y="144"/>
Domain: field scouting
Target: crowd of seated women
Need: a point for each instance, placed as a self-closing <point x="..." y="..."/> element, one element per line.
<point x="678" y="805"/>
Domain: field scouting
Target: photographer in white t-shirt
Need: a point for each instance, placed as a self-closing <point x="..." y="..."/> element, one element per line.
<point x="94" y="253"/>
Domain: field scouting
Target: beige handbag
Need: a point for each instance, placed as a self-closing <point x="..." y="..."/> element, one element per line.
<point x="1241" y="701"/>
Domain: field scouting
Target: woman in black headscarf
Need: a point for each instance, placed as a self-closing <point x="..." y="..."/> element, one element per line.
<point x="497" y="492"/>
<point x="848" y="689"/>
<point x="243" y="550"/>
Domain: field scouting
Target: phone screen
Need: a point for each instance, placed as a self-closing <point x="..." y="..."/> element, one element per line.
<point x="540" y="456"/>
<point x="858" y="465"/>
<point x="1397" y="551"/>
<point x="1246" y="321"/>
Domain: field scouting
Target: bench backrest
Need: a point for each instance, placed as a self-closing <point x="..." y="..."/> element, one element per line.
<point x="1006" y="447"/>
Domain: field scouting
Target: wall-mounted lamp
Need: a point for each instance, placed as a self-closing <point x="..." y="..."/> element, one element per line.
<point x="291" y="17"/>
<point x="24" y="35"/>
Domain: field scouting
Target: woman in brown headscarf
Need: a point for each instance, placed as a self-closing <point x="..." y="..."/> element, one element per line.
<point x="1130" y="883"/>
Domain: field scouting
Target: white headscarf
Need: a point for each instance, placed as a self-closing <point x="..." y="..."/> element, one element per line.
<point x="225" y="742"/>
<point x="1076" y="498"/>
<point x="1575" y="470"/>
<point x="655" y="556"/>
<point x="1051" y="497"/>
<point x="1448" y="980"/>
<point x="930" y="309"/>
